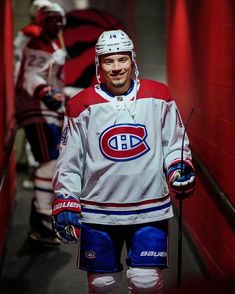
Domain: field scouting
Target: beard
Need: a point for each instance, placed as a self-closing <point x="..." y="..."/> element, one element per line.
<point x="118" y="83"/>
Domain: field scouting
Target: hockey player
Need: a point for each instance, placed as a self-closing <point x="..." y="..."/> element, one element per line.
<point x="39" y="110"/>
<point x="121" y="144"/>
<point x="26" y="33"/>
<point x="22" y="38"/>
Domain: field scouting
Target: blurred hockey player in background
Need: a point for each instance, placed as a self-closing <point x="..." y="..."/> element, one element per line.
<point x="33" y="29"/>
<point x="120" y="155"/>
<point x="21" y="39"/>
<point x="39" y="110"/>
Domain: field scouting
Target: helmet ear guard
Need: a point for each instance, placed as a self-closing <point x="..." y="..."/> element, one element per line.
<point x="113" y="42"/>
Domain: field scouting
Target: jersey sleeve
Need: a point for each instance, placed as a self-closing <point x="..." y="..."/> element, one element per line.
<point x="70" y="163"/>
<point x="172" y="135"/>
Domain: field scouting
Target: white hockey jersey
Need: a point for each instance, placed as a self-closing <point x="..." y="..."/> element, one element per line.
<point x="114" y="151"/>
<point x="22" y="38"/>
<point x="42" y="65"/>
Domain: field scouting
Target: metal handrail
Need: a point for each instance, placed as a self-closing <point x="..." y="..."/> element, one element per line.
<point x="8" y="150"/>
<point x="223" y="200"/>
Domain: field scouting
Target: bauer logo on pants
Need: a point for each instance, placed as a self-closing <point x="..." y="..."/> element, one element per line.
<point x="124" y="142"/>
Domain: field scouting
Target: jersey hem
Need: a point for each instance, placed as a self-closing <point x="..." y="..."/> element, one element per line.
<point x="119" y="223"/>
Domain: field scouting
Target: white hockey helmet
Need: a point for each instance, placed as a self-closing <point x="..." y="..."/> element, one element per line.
<point x="44" y="11"/>
<point x="36" y="5"/>
<point x="114" y="41"/>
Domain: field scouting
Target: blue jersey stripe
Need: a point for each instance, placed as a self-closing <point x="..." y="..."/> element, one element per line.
<point x="115" y="212"/>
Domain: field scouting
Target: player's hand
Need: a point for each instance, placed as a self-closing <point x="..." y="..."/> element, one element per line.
<point x="66" y="218"/>
<point x="51" y="97"/>
<point x="181" y="178"/>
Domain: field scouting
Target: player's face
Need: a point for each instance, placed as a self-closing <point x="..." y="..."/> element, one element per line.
<point x="117" y="69"/>
<point x="53" y="24"/>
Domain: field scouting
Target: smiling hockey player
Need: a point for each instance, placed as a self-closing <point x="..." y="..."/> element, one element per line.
<point x="120" y="148"/>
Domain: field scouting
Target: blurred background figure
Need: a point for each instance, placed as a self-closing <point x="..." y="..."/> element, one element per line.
<point x="39" y="110"/>
<point x="21" y="39"/>
<point x="26" y="33"/>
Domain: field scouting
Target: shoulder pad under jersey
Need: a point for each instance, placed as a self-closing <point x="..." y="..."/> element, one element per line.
<point x="82" y="101"/>
<point x="154" y="89"/>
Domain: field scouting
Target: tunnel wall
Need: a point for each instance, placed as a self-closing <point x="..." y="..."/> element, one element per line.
<point x="201" y="75"/>
<point x="7" y="193"/>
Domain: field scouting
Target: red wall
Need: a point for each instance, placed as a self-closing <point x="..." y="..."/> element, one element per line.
<point x="201" y="74"/>
<point x="7" y="193"/>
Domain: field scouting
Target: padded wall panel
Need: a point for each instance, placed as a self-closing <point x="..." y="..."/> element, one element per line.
<point x="7" y="193"/>
<point x="200" y="71"/>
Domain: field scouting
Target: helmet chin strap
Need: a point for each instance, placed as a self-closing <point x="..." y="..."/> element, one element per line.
<point x="136" y="70"/>
<point x="97" y="64"/>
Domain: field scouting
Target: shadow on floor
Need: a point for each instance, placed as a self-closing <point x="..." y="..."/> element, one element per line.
<point x="35" y="269"/>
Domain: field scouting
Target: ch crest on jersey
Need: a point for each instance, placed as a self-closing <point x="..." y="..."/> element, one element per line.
<point x="124" y="142"/>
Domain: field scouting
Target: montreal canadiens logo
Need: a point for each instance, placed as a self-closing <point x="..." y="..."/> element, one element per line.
<point x="124" y="142"/>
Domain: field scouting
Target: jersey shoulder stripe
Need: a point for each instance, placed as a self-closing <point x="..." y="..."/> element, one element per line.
<point x="31" y="30"/>
<point x="82" y="101"/>
<point x="89" y="97"/>
<point x="40" y="43"/>
<point x="153" y="89"/>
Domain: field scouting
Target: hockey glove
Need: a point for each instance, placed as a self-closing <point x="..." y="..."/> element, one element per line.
<point x="51" y="97"/>
<point x="66" y="218"/>
<point x="181" y="178"/>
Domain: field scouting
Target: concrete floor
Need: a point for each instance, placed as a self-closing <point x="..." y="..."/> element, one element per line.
<point x="44" y="270"/>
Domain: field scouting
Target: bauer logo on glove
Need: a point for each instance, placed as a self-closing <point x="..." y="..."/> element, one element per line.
<point x="181" y="177"/>
<point x="66" y="218"/>
<point x="61" y="205"/>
